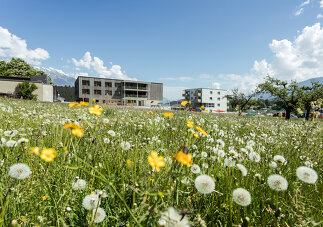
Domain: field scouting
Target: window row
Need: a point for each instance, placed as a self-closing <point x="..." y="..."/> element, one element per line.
<point x="99" y="92"/>
<point x="99" y="84"/>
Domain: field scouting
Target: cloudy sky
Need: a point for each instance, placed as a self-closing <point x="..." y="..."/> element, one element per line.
<point x="181" y="43"/>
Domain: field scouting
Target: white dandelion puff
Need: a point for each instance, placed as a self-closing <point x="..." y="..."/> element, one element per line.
<point x="111" y="133"/>
<point x="125" y="145"/>
<point x="277" y="182"/>
<point x="241" y="197"/>
<point x="79" y="185"/>
<point x="99" y="215"/>
<point x="11" y="143"/>
<point x="273" y="165"/>
<point x="195" y="169"/>
<point x="204" y="154"/>
<point x="204" y="184"/>
<point x="19" y="171"/>
<point x="171" y="218"/>
<point x="242" y="169"/>
<point x="22" y="140"/>
<point x="105" y="120"/>
<point x="91" y="201"/>
<point x="306" y="174"/>
<point x="280" y="159"/>
<point x="254" y="156"/>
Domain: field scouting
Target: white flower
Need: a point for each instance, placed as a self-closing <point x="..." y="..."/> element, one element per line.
<point x="204" y="154"/>
<point x="10" y="133"/>
<point x="195" y="169"/>
<point x="125" y="146"/>
<point x="204" y="184"/>
<point x="105" y="120"/>
<point x="111" y="133"/>
<point x="241" y="196"/>
<point x="229" y="162"/>
<point x="79" y="185"/>
<point x="185" y="181"/>
<point x="171" y="218"/>
<point x="106" y="140"/>
<point x="91" y="201"/>
<point x="19" y="171"/>
<point x="11" y="143"/>
<point x="280" y="159"/>
<point x="242" y="169"/>
<point x="99" y="215"/>
<point x="273" y="165"/>
<point x="277" y="182"/>
<point x="23" y="140"/>
<point x="306" y="174"/>
<point x="254" y="156"/>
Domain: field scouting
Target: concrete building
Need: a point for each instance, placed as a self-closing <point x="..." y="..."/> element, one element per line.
<point x="213" y="100"/>
<point x="44" y="91"/>
<point x="118" y="92"/>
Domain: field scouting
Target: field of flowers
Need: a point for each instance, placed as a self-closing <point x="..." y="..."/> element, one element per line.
<point x="80" y="165"/>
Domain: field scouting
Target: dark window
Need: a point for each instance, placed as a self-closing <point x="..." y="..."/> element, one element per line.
<point x="219" y="104"/>
<point x="86" y="82"/>
<point x="97" y="92"/>
<point x="219" y="93"/>
<point x="117" y="84"/>
<point x="107" y="92"/>
<point x="211" y="104"/>
<point x="211" y="92"/>
<point x="210" y="98"/>
<point x="97" y="83"/>
<point x="219" y="99"/>
<point x="86" y="91"/>
<point x="108" y="84"/>
<point x="117" y="93"/>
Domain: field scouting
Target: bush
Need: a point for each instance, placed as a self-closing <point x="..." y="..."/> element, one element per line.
<point x="26" y="89"/>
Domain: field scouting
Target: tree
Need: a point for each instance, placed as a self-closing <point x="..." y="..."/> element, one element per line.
<point x="239" y="100"/>
<point x="286" y="95"/>
<point x="311" y="94"/>
<point x="26" y="89"/>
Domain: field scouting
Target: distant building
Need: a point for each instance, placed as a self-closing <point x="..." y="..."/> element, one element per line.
<point x="118" y="92"/>
<point x="44" y="91"/>
<point x="64" y="93"/>
<point x="214" y="100"/>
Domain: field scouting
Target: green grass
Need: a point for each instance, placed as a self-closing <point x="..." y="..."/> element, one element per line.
<point x="132" y="198"/>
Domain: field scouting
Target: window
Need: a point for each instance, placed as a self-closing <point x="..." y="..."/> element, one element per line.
<point x="97" y="92"/>
<point x="108" y="84"/>
<point x="107" y="92"/>
<point x="85" y="82"/>
<point x="117" y="93"/>
<point x="211" y="104"/>
<point x="219" y="99"/>
<point x="86" y="91"/>
<point x="219" y="93"/>
<point x="210" y="98"/>
<point x="218" y="104"/>
<point x="97" y="83"/>
<point x="211" y="92"/>
<point x="117" y="84"/>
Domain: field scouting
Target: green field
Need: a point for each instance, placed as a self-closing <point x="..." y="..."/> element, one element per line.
<point x="112" y="159"/>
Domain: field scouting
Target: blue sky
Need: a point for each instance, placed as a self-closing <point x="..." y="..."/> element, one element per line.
<point x="182" y="43"/>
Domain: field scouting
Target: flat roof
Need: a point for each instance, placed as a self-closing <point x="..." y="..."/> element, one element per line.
<point x="205" y="88"/>
<point x="134" y="81"/>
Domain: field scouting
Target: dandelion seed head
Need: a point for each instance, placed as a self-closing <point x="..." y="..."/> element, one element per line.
<point x="91" y="201"/>
<point x="280" y="159"/>
<point x="204" y="184"/>
<point x="79" y="185"/>
<point x="195" y="169"/>
<point x="19" y="171"/>
<point x="306" y="174"/>
<point x="242" y="169"/>
<point x="277" y="182"/>
<point x="241" y="197"/>
<point x="99" y="215"/>
<point x="171" y="218"/>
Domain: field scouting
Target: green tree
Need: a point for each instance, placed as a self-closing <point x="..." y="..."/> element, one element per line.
<point x="240" y="101"/>
<point x="287" y="95"/>
<point x="26" y="89"/>
<point x="311" y="94"/>
<point x="3" y="68"/>
<point x="19" y="68"/>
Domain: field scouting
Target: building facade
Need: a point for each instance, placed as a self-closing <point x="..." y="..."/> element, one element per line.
<point x="118" y="92"/>
<point x="214" y="100"/>
<point x="44" y="91"/>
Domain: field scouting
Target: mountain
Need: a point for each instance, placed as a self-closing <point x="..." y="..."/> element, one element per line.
<point x="58" y="76"/>
<point x="309" y="81"/>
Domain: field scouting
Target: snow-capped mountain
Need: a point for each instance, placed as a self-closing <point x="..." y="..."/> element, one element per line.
<point x="58" y="76"/>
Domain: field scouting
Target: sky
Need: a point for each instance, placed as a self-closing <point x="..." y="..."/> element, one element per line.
<point x="181" y="43"/>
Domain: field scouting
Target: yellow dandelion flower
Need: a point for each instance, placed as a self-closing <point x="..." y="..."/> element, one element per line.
<point x="151" y="180"/>
<point x="48" y="154"/>
<point x="77" y="132"/>
<point x="190" y="124"/>
<point x="97" y="110"/>
<point x="168" y="115"/>
<point x="84" y="103"/>
<point x="202" y="108"/>
<point x="44" y="197"/>
<point x="74" y="104"/>
<point x="199" y="129"/>
<point x="184" y="103"/>
<point x="150" y="112"/>
<point x="129" y="164"/>
<point x="196" y="135"/>
<point x="185" y="159"/>
<point x="34" y="151"/>
<point x="156" y="161"/>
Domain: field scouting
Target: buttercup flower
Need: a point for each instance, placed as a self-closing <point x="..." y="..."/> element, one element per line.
<point x="155" y="161"/>
<point x="168" y="115"/>
<point x="96" y="109"/>
<point x="184" y="103"/>
<point x="74" y="104"/>
<point x="190" y="124"/>
<point x="199" y="129"/>
<point x="84" y="103"/>
<point x="48" y="154"/>
<point x="185" y="159"/>
<point x="34" y="150"/>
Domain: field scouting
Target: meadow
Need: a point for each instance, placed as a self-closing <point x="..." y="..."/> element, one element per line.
<point x="81" y="165"/>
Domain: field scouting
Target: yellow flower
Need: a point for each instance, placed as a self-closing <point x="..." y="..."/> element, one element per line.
<point x="202" y="108"/>
<point x="168" y="114"/>
<point x="156" y="161"/>
<point x="207" y="110"/>
<point x="196" y="135"/>
<point x="97" y="110"/>
<point x="190" y="124"/>
<point x="185" y="159"/>
<point x="71" y="125"/>
<point x="199" y="129"/>
<point x="184" y="103"/>
<point x="160" y="194"/>
<point x="34" y="150"/>
<point x="48" y="154"/>
<point x="84" y="103"/>
<point x="74" y="104"/>
<point x="44" y="197"/>
<point x="129" y="164"/>
<point x="77" y="132"/>
<point x="151" y="180"/>
<point x="150" y="112"/>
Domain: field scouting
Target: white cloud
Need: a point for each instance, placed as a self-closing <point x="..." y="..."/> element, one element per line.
<point x="173" y="93"/>
<point x="13" y="46"/>
<point x="321" y="3"/>
<point x="185" y="78"/>
<point x="98" y="66"/>
<point x="305" y="3"/>
<point x="205" y="76"/>
<point x="216" y="85"/>
<point x="319" y="16"/>
<point x="299" y="12"/>
<point x="181" y="78"/>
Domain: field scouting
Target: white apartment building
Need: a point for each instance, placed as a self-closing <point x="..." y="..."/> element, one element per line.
<point x="214" y="100"/>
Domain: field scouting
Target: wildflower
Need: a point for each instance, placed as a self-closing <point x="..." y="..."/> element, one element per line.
<point x="195" y="169"/>
<point x="172" y="218"/>
<point x="105" y="120"/>
<point x="184" y="103"/>
<point x="44" y="197"/>
<point x="71" y="125"/>
<point x="22" y="140"/>
<point x="129" y="164"/>
<point x="19" y="171"/>
<point x="254" y="156"/>
<point x="111" y="133"/>
<point x="196" y="135"/>
<point x="241" y="197"/>
<point x="151" y="180"/>
<point x="79" y="185"/>
<point x="48" y="154"/>
<point x="84" y="103"/>
<point x="74" y="104"/>
<point x="96" y="109"/>
<point x="150" y="112"/>
<point x="199" y="129"/>
<point x="242" y="169"/>
<point x="34" y="150"/>
<point x="306" y="174"/>
<point x="125" y="145"/>
<point x="202" y="108"/>
<point x="204" y="184"/>
<point x="229" y="162"/>
<point x="190" y="124"/>
<point x="99" y="215"/>
<point x="91" y="201"/>
<point x="168" y="115"/>
<point x="277" y="182"/>
<point x="204" y="154"/>
<point x="273" y="165"/>
<point x="280" y="159"/>
<point x="155" y="161"/>
<point x="185" y="159"/>
<point x="11" y="143"/>
<point x="185" y="180"/>
<point x="205" y="165"/>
